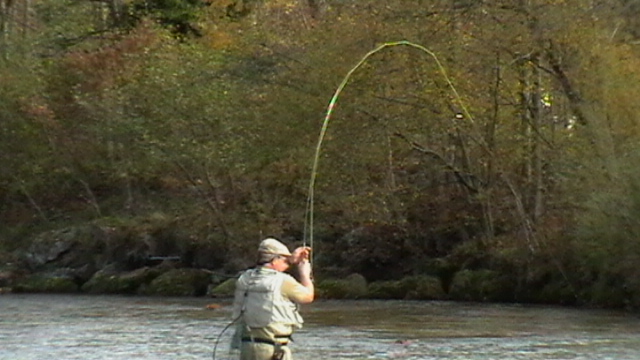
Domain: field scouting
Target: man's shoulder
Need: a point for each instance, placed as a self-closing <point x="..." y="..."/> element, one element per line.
<point x="288" y="277"/>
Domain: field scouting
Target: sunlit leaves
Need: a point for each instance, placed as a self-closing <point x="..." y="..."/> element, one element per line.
<point x="236" y="113"/>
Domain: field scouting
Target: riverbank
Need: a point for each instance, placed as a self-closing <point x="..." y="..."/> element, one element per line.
<point x="157" y="258"/>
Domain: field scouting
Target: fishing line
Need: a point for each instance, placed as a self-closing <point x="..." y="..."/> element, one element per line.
<point x="309" y="215"/>
<point x="215" y="346"/>
<point x="309" y="211"/>
<point x="309" y="218"/>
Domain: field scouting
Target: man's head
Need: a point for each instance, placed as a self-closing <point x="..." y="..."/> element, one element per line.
<point x="271" y="249"/>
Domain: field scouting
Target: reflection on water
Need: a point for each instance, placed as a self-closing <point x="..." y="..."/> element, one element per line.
<point x="84" y="327"/>
<point x="111" y="327"/>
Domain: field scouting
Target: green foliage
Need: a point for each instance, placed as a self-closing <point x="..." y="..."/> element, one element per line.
<point x="64" y="24"/>
<point x="606" y="233"/>
<point x="217" y="130"/>
<point x="559" y="292"/>
<point x="180" y="16"/>
<point x="20" y="112"/>
<point x="481" y="285"/>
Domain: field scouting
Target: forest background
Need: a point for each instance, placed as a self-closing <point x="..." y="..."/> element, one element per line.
<point x="504" y="157"/>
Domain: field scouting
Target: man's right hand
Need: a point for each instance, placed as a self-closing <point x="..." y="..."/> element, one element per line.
<point x="300" y="254"/>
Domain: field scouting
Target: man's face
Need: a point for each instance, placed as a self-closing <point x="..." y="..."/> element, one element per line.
<point x="281" y="263"/>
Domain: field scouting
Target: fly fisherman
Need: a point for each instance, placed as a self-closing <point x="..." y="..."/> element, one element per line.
<point x="266" y="301"/>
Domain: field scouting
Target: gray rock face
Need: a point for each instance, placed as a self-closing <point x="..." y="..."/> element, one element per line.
<point x="131" y="259"/>
<point x="76" y="252"/>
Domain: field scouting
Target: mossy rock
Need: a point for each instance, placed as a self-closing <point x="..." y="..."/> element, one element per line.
<point x="353" y="286"/>
<point x="422" y="287"/>
<point x="481" y="285"/>
<point x="179" y="282"/>
<point x="387" y="290"/>
<point x="45" y="283"/>
<point x="107" y="281"/>
<point x="225" y="289"/>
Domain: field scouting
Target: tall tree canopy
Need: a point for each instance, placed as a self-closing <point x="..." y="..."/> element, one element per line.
<point x="517" y="129"/>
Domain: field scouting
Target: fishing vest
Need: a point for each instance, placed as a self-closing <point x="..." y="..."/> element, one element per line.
<point x="259" y="300"/>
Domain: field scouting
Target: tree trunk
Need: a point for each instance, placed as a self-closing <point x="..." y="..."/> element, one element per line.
<point x="4" y="29"/>
<point x="536" y="109"/>
<point x="116" y="11"/>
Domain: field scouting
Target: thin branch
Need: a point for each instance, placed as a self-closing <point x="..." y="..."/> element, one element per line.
<point x="212" y="205"/>
<point x="92" y="197"/>
<point x="32" y="201"/>
<point x="575" y="100"/>
<point x="462" y="178"/>
<point x="526" y="222"/>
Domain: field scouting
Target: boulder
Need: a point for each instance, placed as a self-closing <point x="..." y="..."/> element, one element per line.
<point x="353" y="286"/>
<point x="111" y="281"/>
<point x="225" y="289"/>
<point x="54" y="282"/>
<point x="77" y="250"/>
<point x="180" y="282"/>
<point x="422" y="287"/>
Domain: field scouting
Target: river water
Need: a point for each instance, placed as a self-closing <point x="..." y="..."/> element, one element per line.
<point x="67" y="327"/>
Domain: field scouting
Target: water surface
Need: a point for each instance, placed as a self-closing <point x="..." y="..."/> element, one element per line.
<point x="68" y="327"/>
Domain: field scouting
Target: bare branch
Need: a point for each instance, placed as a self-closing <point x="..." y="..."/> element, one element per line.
<point x="463" y="179"/>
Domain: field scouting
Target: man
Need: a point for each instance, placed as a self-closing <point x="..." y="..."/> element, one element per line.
<point x="266" y="301"/>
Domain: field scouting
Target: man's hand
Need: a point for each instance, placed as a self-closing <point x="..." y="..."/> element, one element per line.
<point x="303" y="253"/>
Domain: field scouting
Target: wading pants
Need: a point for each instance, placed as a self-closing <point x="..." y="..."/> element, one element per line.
<point x="261" y="351"/>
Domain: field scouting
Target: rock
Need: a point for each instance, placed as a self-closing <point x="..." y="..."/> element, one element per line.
<point x="225" y="289"/>
<point x="46" y="283"/>
<point x="421" y="287"/>
<point x="75" y="249"/>
<point x="353" y="286"/>
<point x="180" y="282"/>
<point x="111" y="281"/>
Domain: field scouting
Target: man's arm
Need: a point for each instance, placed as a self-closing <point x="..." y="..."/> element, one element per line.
<point x="304" y="276"/>
<point x="301" y="291"/>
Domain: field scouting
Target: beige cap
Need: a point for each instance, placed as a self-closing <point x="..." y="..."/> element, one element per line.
<point x="273" y="247"/>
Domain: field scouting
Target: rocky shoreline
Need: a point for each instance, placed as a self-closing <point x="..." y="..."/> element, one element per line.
<point x="94" y="259"/>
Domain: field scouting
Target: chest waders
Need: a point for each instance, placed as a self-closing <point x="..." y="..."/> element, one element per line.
<point x="278" y="347"/>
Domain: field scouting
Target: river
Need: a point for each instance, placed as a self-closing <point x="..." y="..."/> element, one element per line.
<point x="67" y="327"/>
